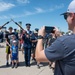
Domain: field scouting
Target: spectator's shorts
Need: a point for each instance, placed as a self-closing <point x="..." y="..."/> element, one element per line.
<point x="14" y="57"/>
<point x="33" y="50"/>
<point x="7" y="49"/>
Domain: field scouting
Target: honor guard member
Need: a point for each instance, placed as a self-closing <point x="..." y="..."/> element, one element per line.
<point x="27" y="44"/>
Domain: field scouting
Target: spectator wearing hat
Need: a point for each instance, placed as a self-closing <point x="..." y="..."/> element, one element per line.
<point x="62" y="50"/>
<point x="14" y="54"/>
<point x="34" y="39"/>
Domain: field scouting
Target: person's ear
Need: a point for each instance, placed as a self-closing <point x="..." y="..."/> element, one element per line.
<point x="72" y="15"/>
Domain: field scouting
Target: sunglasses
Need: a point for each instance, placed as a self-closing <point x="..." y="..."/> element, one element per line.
<point x="66" y="16"/>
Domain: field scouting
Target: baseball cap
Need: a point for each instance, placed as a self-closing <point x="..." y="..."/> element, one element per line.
<point x="35" y="31"/>
<point x="71" y="8"/>
<point x="14" y="41"/>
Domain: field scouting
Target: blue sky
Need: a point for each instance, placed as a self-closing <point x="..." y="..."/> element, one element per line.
<point x="37" y="12"/>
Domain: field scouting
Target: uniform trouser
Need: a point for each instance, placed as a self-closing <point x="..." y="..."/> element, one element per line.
<point x="27" y="55"/>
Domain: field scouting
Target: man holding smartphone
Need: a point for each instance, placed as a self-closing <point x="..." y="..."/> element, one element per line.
<point x="63" y="48"/>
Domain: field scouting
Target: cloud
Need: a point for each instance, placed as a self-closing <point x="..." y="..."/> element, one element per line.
<point x="26" y="13"/>
<point x="5" y="6"/>
<point x="29" y="13"/>
<point x="23" y="1"/>
<point x="3" y="17"/>
<point x="11" y="16"/>
<point x="56" y="7"/>
<point x="59" y="6"/>
<point x="39" y="10"/>
<point x="16" y="16"/>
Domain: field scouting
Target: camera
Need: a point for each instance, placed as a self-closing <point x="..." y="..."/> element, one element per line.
<point x="49" y="29"/>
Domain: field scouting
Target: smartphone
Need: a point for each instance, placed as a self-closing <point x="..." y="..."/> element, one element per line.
<point x="49" y="29"/>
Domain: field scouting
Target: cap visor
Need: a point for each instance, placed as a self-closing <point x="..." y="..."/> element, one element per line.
<point x="63" y="13"/>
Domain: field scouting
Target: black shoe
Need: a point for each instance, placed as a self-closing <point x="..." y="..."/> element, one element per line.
<point x="50" y="66"/>
<point x="28" y="65"/>
<point x="10" y="63"/>
<point x="12" y="66"/>
<point x="7" y="64"/>
<point x="38" y="66"/>
<point x="16" y="65"/>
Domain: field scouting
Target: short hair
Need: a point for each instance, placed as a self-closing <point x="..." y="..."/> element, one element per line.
<point x="10" y="28"/>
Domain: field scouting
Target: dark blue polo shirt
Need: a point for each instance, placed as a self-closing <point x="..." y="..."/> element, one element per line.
<point x="27" y="41"/>
<point x="63" y="52"/>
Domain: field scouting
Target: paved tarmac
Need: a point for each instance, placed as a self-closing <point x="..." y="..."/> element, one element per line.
<point x="22" y="69"/>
